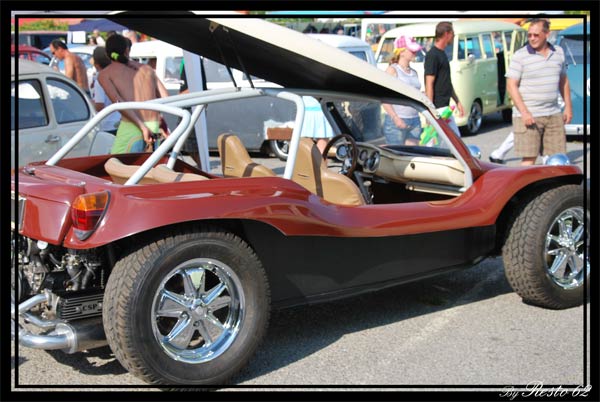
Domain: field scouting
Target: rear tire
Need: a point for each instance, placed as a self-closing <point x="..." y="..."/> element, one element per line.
<point x="189" y="309"/>
<point x="544" y="252"/>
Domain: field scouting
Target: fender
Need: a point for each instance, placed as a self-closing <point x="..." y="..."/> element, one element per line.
<point x="294" y="211"/>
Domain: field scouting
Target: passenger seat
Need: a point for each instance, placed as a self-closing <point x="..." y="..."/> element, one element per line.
<point x="235" y="161"/>
<point x="120" y="172"/>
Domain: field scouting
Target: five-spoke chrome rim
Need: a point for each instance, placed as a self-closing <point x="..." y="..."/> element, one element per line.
<point x="564" y="249"/>
<point x="197" y="310"/>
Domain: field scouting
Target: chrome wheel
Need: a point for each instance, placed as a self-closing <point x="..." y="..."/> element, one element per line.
<point x="564" y="250"/>
<point x="280" y="148"/>
<point x="197" y="310"/>
<point x="475" y="118"/>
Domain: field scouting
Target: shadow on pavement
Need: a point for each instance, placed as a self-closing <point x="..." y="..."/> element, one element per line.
<point x="302" y="331"/>
<point x="82" y="361"/>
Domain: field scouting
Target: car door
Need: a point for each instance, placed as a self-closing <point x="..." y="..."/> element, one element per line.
<point x="70" y="110"/>
<point x="488" y="74"/>
<point x="50" y="111"/>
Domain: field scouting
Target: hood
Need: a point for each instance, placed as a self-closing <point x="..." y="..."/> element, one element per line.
<point x="274" y="53"/>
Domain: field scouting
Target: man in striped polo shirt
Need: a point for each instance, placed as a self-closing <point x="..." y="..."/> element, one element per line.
<point x="536" y="74"/>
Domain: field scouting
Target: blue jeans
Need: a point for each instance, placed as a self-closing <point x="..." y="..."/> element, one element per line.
<point x="397" y="136"/>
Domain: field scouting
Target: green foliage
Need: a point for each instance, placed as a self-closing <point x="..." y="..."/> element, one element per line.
<point x="45" y="25"/>
<point x="571" y="12"/>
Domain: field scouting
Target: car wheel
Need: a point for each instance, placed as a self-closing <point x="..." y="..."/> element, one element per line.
<point x="544" y="252"/>
<point x="187" y="309"/>
<point x="507" y="115"/>
<point x="280" y="148"/>
<point x="474" y="120"/>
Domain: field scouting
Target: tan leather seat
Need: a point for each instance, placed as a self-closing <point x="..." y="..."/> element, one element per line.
<point x="235" y="160"/>
<point x="311" y="173"/>
<point x="164" y="174"/>
<point x="120" y="172"/>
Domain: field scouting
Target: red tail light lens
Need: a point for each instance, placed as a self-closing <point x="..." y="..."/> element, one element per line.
<point x="87" y="211"/>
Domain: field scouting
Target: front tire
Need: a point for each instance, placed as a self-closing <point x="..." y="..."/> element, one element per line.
<point x="189" y="309"/>
<point x="475" y="119"/>
<point x="544" y="252"/>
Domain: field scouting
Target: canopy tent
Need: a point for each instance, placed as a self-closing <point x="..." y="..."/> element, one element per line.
<point x="100" y="24"/>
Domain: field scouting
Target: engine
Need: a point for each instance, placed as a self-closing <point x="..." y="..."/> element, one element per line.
<point x="73" y="279"/>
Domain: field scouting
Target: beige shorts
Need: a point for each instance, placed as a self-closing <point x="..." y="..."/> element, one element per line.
<point x="547" y="137"/>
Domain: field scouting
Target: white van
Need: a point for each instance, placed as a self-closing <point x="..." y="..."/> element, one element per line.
<point x="164" y="58"/>
<point x="350" y="44"/>
<point x="479" y="58"/>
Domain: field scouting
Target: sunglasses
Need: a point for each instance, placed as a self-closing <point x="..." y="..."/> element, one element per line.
<point x="533" y="35"/>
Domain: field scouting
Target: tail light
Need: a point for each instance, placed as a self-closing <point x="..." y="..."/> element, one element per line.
<point x="87" y="211"/>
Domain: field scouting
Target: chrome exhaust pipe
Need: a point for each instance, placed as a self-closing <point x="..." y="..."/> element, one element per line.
<point x="69" y="337"/>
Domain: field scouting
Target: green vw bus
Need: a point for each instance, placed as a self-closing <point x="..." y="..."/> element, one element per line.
<point x="479" y="58"/>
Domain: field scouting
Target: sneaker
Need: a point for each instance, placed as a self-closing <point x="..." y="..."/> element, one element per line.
<point x="495" y="160"/>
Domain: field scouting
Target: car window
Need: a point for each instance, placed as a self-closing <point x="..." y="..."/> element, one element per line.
<point x="498" y="46"/>
<point x="488" y="46"/>
<point x="68" y="103"/>
<point x="520" y="39"/>
<point x="60" y="64"/>
<point x="474" y="47"/>
<point x="368" y="121"/>
<point x="573" y="48"/>
<point x="40" y="58"/>
<point x="462" y="48"/>
<point x="427" y="43"/>
<point x="508" y="39"/>
<point x="32" y="112"/>
<point x="215" y="72"/>
<point x="172" y="66"/>
<point x="360" y="54"/>
<point x="387" y="50"/>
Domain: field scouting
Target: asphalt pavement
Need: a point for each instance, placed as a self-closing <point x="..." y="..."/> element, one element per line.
<point x="464" y="328"/>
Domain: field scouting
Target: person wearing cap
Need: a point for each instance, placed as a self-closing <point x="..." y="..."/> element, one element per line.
<point x="438" y="83"/>
<point x="402" y="124"/>
<point x="110" y="123"/>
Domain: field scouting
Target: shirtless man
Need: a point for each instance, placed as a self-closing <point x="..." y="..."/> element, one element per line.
<point x="125" y="81"/>
<point x="74" y="67"/>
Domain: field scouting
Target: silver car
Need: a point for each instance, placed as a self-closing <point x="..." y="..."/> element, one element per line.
<point x="51" y="109"/>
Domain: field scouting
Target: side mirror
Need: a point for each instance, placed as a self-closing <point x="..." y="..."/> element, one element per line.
<point x="474" y="150"/>
<point x="470" y="58"/>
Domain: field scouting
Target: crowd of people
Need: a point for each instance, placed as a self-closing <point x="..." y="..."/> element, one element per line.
<point x="119" y="79"/>
<point x="536" y="75"/>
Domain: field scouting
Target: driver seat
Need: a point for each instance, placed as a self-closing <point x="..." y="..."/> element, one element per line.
<point x="311" y="173"/>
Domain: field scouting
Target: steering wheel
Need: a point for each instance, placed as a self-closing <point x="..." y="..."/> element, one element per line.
<point x="346" y="152"/>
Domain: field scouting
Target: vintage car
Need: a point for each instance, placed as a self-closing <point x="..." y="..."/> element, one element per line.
<point x="30" y="53"/>
<point x="51" y="109"/>
<point x="179" y="268"/>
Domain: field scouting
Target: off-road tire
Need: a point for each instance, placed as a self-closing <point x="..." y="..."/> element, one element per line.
<point x="523" y="251"/>
<point x="130" y="292"/>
